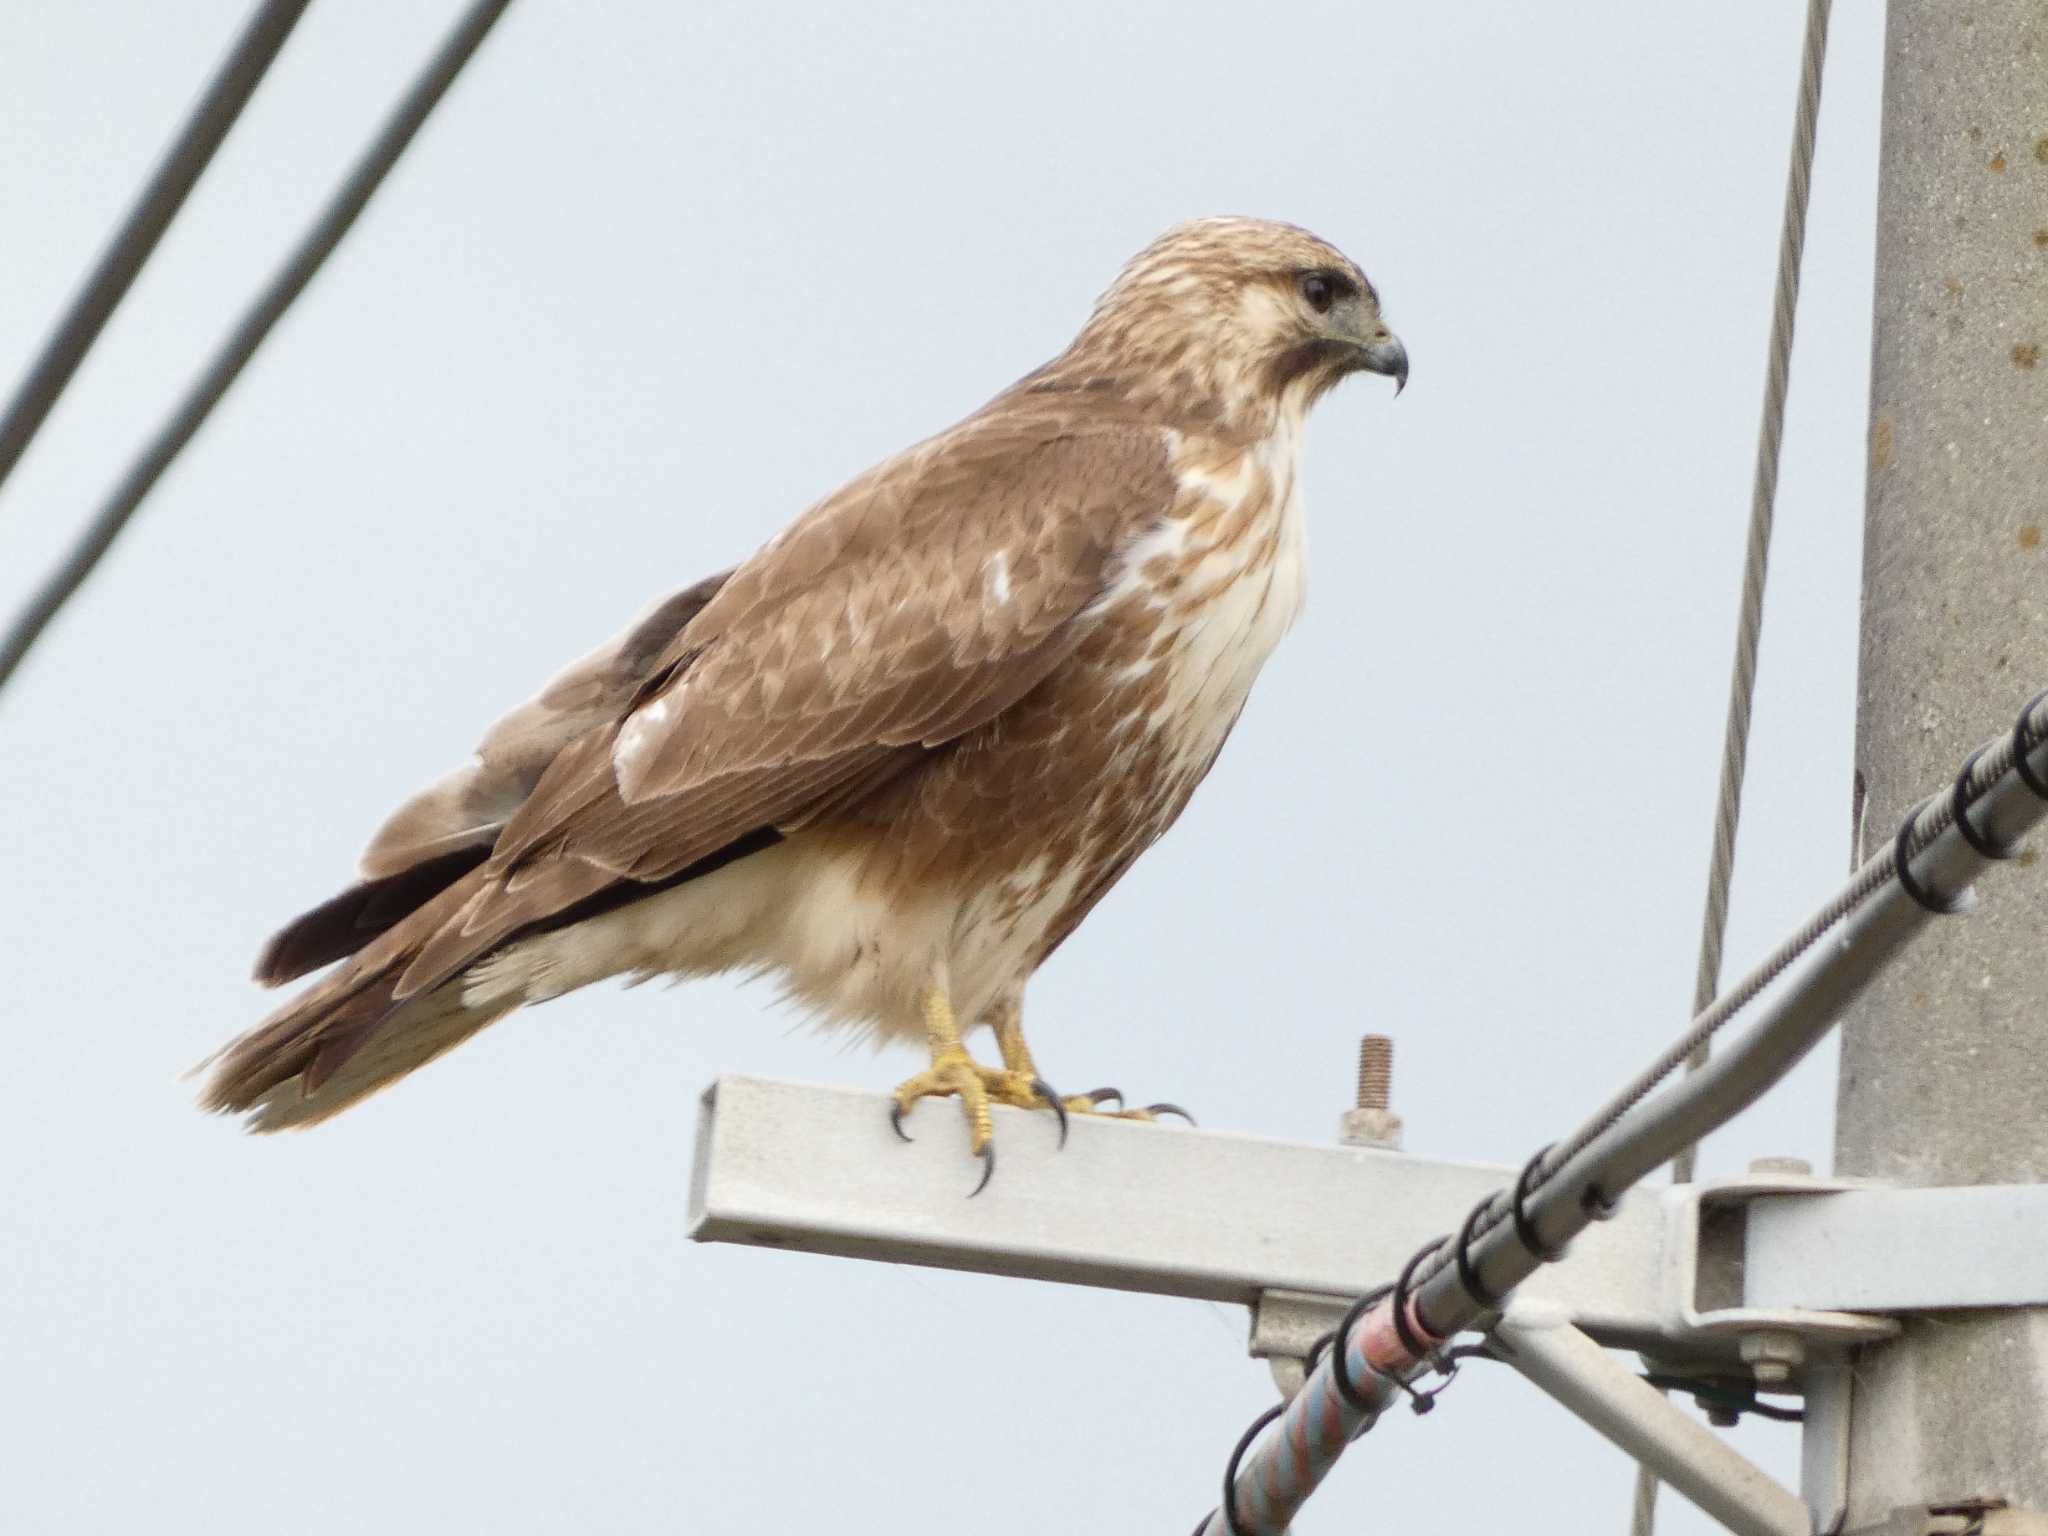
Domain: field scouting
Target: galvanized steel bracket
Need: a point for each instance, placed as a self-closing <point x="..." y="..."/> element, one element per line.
<point x="1712" y="1290"/>
<point x="1701" y="1320"/>
<point x="1958" y="1517"/>
<point x="1740" y="1277"/>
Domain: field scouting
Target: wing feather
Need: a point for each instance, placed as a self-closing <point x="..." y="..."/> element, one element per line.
<point x="907" y="610"/>
<point x="449" y="828"/>
<point x="713" y="754"/>
<point x="846" y="650"/>
<point x="469" y="807"/>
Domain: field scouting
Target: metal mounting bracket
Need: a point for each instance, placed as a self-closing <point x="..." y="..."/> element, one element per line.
<point x="1873" y="1248"/>
<point x="1959" y="1517"/>
<point x="1540" y="1343"/>
<point x="1771" y="1277"/>
<point x="1743" y="1277"/>
<point x="1285" y="1327"/>
<point x="1706" y="1319"/>
<point x="1713" y="1277"/>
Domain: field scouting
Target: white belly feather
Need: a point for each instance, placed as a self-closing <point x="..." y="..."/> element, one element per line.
<point x="1240" y="584"/>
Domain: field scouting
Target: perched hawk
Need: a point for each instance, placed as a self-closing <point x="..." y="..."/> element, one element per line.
<point x="898" y="755"/>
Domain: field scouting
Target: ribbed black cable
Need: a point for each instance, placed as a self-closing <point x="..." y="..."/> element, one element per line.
<point x="1933" y="819"/>
<point x="1922" y="828"/>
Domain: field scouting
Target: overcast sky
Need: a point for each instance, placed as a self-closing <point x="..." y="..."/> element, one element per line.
<point x="653" y="279"/>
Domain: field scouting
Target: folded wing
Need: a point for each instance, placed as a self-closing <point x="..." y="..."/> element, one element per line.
<point x="449" y="828"/>
<point x="912" y="607"/>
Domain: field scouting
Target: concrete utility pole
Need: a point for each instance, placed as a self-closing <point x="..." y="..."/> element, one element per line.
<point x="1945" y="1065"/>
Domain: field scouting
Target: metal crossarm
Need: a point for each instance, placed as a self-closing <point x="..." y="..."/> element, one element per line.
<point x="796" y="1166"/>
<point x="1851" y="940"/>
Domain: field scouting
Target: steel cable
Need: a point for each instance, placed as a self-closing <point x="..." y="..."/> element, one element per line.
<point x="1933" y="818"/>
<point x="1320" y="1421"/>
<point x="256" y="323"/>
<point x="1756" y="568"/>
<point x="191" y="151"/>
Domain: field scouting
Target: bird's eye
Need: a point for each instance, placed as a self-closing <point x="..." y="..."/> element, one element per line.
<point x="1326" y="287"/>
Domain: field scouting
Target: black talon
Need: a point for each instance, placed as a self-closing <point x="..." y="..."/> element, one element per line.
<point x="896" y="1123"/>
<point x="1169" y="1109"/>
<point x="988" y="1169"/>
<point x="1101" y="1096"/>
<point x="1045" y="1091"/>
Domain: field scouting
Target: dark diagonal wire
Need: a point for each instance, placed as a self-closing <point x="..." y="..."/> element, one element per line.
<point x="158" y="203"/>
<point x="220" y="373"/>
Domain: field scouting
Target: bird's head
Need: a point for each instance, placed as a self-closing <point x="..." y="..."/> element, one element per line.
<point x="1244" y="319"/>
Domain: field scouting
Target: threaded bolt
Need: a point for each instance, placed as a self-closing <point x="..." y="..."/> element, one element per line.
<point x="1375" y="1072"/>
<point x="1373" y="1123"/>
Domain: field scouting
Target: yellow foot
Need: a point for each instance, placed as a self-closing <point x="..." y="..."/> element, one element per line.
<point x="978" y="1087"/>
<point x="1025" y="1089"/>
<point x="953" y="1071"/>
<point x="1091" y="1104"/>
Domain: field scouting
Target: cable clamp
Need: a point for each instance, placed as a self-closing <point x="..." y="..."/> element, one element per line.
<point x="2023" y="742"/>
<point x="1525" y="1229"/>
<point x="1902" y="866"/>
<point x="1961" y="799"/>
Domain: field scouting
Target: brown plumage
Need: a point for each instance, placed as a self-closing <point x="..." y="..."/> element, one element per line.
<point x="903" y="750"/>
<point x="445" y="831"/>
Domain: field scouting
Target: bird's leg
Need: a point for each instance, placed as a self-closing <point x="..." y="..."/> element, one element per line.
<point x="1019" y="1082"/>
<point x="952" y="1071"/>
<point x="1015" y="1082"/>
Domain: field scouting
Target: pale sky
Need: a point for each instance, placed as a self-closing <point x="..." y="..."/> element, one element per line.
<point x="654" y="278"/>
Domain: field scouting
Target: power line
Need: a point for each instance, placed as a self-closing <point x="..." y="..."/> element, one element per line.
<point x="2003" y="765"/>
<point x="226" y="365"/>
<point x="1763" y="499"/>
<point x="162" y="196"/>
<point x="1756" y="566"/>
<point x="1456" y="1280"/>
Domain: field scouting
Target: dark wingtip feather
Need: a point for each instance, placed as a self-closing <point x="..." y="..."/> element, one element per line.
<point x="343" y="924"/>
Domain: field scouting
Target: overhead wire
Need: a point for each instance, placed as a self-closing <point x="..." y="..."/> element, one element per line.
<point x="1763" y="500"/>
<point x="1922" y="827"/>
<point x="1755" y="571"/>
<point x="1626" y="1137"/>
<point x="314" y="247"/>
<point x="190" y="152"/>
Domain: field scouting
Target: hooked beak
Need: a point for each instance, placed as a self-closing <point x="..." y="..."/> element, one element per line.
<point x="1386" y="355"/>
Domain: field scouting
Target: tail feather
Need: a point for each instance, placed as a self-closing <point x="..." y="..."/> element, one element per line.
<point x="407" y="934"/>
<point x="400" y="1042"/>
<point x="340" y="926"/>
<point x="353" y="1031"/>
<point x="407" y="994"/>
<point x="318" y="1056"/>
